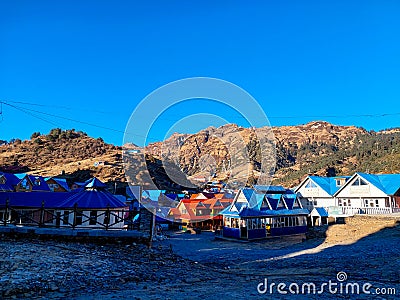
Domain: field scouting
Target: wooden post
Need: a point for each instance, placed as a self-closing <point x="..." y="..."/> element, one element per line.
<point x="152" y="226"/>
<point x="6" y="212"/>
<point x="130" y="217"/>
<point x="75" y="211"/>
<point x="108" y="216"/>
<point x="41" y="217"/>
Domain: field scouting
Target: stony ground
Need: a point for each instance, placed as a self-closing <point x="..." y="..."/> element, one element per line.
<point x="187" y="266"/>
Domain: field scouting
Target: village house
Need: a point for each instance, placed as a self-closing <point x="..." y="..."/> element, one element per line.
<point x="32" y="183"/>
<point x="348" y="195"/>
<point x="200" y="213"/>
<point x="91" y="207"/>
<point x="370" y="194"/>
<point x="318" y="191"/>
<point x="262" y="212"/>
<point x="57" y="184"/>
<point x="8" y="182"/>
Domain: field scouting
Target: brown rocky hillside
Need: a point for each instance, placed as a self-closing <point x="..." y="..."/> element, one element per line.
<point x="289" y="152"/>
<point x="74" y="155"/>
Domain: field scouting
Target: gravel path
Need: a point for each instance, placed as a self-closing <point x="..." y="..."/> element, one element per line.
<point x="187" y="266"/>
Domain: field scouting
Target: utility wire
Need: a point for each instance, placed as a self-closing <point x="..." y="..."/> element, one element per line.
<point x="55" y="106"/>
<point x="232" y="116"/>
<point x="24" y="110"/>
<point x="32" y="111"/>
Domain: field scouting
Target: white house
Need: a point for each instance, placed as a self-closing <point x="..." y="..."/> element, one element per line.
<point x="317" y="191"/>
<point x="370" y="194"/>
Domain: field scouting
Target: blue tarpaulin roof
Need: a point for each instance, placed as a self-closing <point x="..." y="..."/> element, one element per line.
<point x="34" y="200"/>
<point x="95" y="183"/>
<point x="10" y="182"/>
<point x="94" y="199"/>
<point x="41" y="184"/>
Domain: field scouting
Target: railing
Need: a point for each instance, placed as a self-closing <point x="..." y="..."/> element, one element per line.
<point x="70" y="218"/>
<point x="350" y="211"/>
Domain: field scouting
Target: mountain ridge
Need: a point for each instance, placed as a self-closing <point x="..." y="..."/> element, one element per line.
<point x="317" y="147"/>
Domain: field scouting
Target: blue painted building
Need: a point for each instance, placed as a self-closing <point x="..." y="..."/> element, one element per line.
<point x="264" y="211"/>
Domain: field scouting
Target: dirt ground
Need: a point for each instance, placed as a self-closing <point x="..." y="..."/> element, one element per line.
<point x="363" y="253"/>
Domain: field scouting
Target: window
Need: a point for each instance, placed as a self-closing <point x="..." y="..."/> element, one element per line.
<point x="37" y="181"/>
<point x="24" y="184"/>
<point x="65" y="217"/>
<point x="371" y="202"/>
<point x="93" y="217"/>
<point x="53" y="186"/>
<point x="311" y="185"/>
<point x="78" y="218"/>
<point x="344" y="202"/>
<point x="117" y="219"/>
<point x="359" y="182"/>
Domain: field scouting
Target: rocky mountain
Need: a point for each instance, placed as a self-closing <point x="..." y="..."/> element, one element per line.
<point x="317" y="148"/>
<point x="230" y="151"/>
<point x="76" y="156"/>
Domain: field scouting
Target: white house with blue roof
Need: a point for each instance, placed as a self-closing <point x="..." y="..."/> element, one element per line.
<point x="262" y="212"/>
<point x="361" y="193"/>
<point x="318" y="191"/>
<point x="370" y="194"/>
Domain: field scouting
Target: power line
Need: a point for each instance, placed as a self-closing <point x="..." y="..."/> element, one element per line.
<point x="56" y="106"/>
<point x="231" y="116"/>
<point x="32" y="111"/>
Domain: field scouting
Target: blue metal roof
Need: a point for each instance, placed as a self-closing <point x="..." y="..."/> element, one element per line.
<point x="290" y="200"/>
<point x="321" y="211"/>
<point x="60" y="181"/>
<point x="328" y="184"/>
<point x="10" y="178"/>
<point x="42" y="186"/>
<point x="172" y="196"/>
<point x="387" y="183"/>
<point x="248" y="193"/>
<point x="152" y="195"/>
<point x="253" y="207"/>
<point x="269" y="188"/>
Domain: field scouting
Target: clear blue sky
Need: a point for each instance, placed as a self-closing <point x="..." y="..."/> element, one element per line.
<point x="94" y="61"/>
